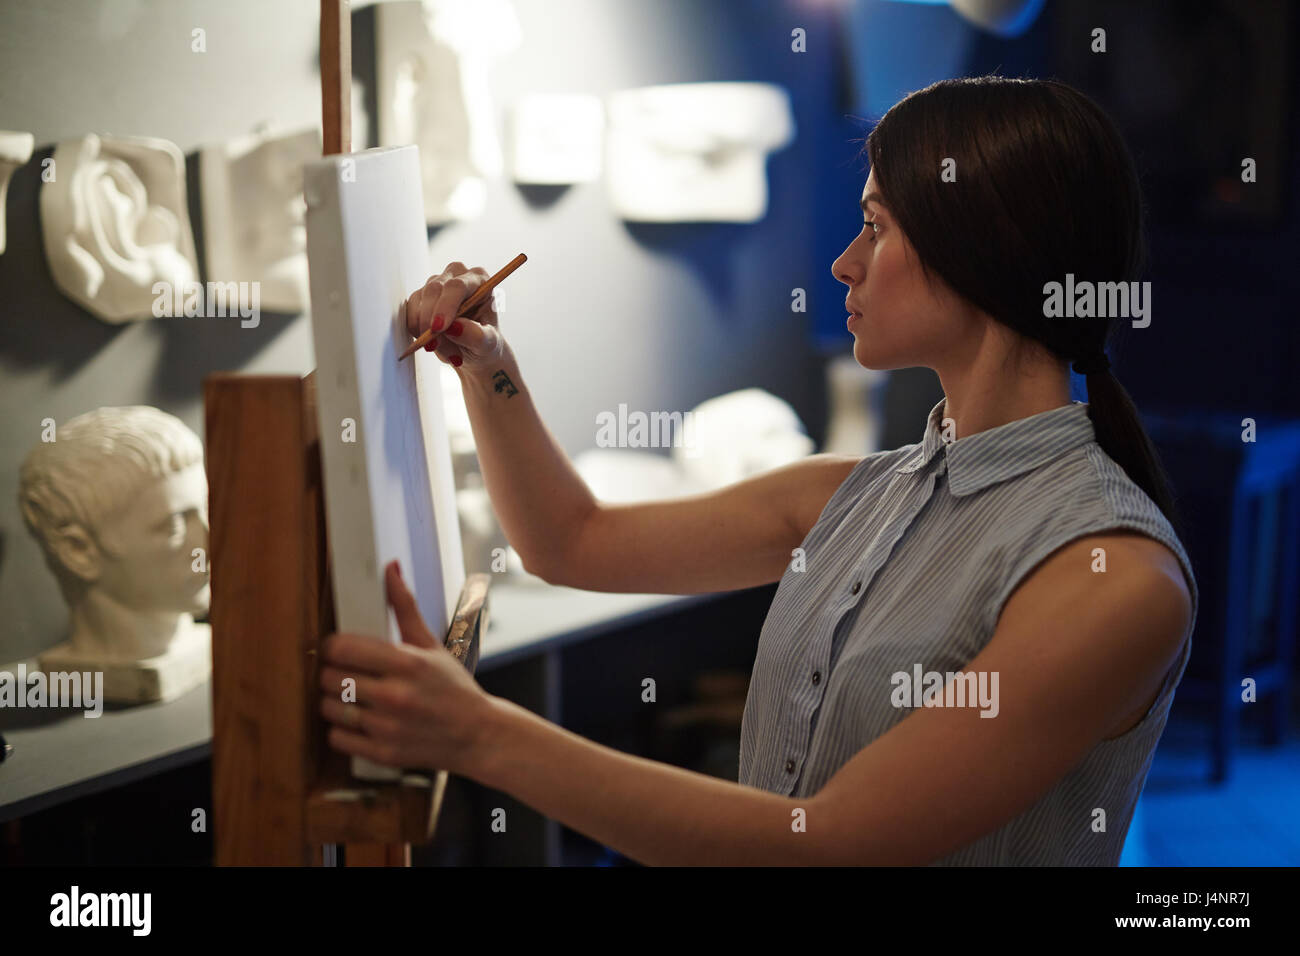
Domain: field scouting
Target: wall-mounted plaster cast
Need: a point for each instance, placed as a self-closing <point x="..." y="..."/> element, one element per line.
<point x="433" y="66"/>
<point x="856" y="419"/>
<point x="695" y="152"/>
<point x="1005" y="18"/>
<point x="115" y="223"/>
<point x="739" y="434"/>
<point x="556" y="138"/>
<point x="253" y="214"/>
<point x="15" y="149"/>
<point x="118" y="502"/>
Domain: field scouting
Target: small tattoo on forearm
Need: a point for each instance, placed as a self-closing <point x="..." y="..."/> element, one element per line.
<point x="501" y="383"/>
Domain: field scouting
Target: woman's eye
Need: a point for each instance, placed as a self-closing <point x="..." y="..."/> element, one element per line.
<point x="872" y="224"/>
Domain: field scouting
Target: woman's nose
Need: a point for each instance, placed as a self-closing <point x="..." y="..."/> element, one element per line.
<point x="846" y="271"/>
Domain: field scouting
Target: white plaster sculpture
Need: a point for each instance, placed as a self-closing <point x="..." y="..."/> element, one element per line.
<point x="433" y="63"/>
<point x="115" y="223"/>
<point x="740" y="434"/>
<point x="629" y="475"/>
<point x="253" y="225"/>
<point x="618" y="475"/>
<point x="118" y="502"/>
<point x="856" y="407"/>
<point x="1004" y="18"/>
<point x="15" y="149"/>
<point x="556" y="138"/>
<point x="695" y="152"/>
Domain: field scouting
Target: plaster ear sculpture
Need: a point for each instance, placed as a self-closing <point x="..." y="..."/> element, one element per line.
<point x="253" y="209"/>
<point x="556" y="138"/>
<point x="695" y="152"/>
<point x="15" y="149"/>
<point x="118" y="503"/>
<point x="739" y="434"/>
<point x="116" y="223"/>
<point x="433" y="91"/>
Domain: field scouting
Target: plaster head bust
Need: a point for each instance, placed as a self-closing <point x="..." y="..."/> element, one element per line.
<point x="118" y="503"/>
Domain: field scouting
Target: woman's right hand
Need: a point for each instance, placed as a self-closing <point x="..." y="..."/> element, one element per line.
<point x="471" y="343"/>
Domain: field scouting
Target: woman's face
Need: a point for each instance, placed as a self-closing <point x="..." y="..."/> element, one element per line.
<point x="901" y="321"/>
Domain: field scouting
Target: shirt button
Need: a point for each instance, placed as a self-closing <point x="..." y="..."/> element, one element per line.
<point x="857" y="586"/>
<point x="817" y="677"/>
<point x="789" y="766"/>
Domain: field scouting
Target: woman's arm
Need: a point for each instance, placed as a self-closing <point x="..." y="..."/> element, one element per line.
<point x="739" y="536"/>
<point x="1075" y="652"/>
<point x="735" y="537"/>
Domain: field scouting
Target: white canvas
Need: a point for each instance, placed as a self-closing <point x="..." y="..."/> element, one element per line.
<point x="389" y="494"/>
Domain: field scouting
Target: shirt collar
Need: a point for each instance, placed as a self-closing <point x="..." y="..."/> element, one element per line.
<point x="996" y="454"/>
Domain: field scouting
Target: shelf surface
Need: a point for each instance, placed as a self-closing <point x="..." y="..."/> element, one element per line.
<point x="60" y="755"/>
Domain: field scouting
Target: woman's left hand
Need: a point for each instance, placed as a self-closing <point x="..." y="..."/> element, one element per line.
<point x="415" y="705"/>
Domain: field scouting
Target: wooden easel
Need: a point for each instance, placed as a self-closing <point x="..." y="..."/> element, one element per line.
<point x="281" y="796"/>
<point x="279" y="792"/>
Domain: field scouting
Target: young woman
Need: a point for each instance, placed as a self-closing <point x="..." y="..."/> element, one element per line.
<point x="1021" y="553"/>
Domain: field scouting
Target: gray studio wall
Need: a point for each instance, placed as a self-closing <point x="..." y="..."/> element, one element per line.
<point x="659" y="317"/>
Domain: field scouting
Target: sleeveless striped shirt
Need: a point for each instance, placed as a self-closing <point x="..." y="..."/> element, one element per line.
<point x="910" y="562"/>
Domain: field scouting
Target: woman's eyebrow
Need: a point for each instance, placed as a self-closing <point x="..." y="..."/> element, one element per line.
<point x="871" y="197"/>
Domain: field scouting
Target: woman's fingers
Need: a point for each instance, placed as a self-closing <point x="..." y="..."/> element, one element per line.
<point x="439" y="301"/>
<point x="367" y="654"/>
<point x="473" y="342"/>
<point x="453" y="292"/>
<point x="358" y="718"/>
<point x="409" y="309"/>
<point x="363" y="690"/>
<point x="429" y="296"/>
<point x="448" y="351"/>
<point x="455" y="285"/>
<point x="445" y="350"/>
<point x="359" y="745"/>
<point x="485" y="312"/>
<point x="409" y="622"/>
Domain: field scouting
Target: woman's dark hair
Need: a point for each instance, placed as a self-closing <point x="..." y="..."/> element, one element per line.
<point x="1044" y="186"/>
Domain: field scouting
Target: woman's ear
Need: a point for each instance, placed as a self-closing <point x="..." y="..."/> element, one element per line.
<point x="76" y="550"/>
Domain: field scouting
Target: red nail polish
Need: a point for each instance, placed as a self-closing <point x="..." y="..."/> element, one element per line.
<point x="456" y="360"/>
<point x="432" y="346"/>
<point x="455" y="328"/>
<point x="437" y="323"/>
